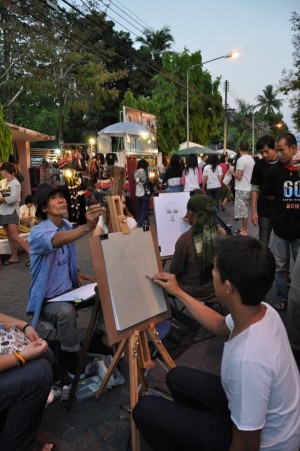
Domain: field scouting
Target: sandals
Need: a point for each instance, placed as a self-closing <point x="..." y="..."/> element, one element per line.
<point x="39" y="446"/>
<point x="280" y="306"/>
<point x="10" y="262"/>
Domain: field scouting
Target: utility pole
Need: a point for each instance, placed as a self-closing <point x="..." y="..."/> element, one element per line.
<point x="226" y="87"/>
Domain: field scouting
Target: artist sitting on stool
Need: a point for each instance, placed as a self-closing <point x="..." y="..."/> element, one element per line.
<point x="54" y="266"/>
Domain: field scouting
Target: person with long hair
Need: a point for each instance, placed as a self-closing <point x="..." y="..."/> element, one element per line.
<point x="103" y="226"/>
<point x="9" y="211"/>
<point x="143" y="199"/>
<point x="192" y="175"/>
<point x="212" y="177"/>
<point x="225" y="189"/>
<point x="193" y="258"/>
<point x="173" y="175"/>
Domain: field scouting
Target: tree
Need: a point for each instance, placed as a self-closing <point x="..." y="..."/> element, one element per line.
<point x="156" y="42"/>
<point x="268" y="101"/>
<point x="290" y="82"/>
<point x="5" y="139"/>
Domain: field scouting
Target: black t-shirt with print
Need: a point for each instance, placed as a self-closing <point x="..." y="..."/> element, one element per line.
<point x="284" y="185"/>
<point x="259" y="174"/>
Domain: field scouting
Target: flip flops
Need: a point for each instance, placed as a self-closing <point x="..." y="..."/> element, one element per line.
<point x="280" y="306"/>
<point x="10" y="262"/>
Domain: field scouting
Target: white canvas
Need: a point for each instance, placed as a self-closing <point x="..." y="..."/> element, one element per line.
<point x="169" y="210"/>
<point x="129" y="258"/>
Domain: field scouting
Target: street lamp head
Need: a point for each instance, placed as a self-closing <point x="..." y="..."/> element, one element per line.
<point x="234" y="54"/>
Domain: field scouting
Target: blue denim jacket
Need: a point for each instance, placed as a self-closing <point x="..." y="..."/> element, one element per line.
<point x="43" y="260"/>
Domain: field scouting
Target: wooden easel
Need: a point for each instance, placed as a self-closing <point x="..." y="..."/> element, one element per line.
<point x="135" y="338"/>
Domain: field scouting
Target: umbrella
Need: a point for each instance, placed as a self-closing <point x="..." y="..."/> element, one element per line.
<point x="121" y="129"/>
<point x="197" y="150"/>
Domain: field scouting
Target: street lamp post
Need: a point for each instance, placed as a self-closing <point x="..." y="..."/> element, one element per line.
<point x="233" y="54"/>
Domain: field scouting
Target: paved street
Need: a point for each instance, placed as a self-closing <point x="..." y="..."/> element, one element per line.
<point x="98" y="424"/>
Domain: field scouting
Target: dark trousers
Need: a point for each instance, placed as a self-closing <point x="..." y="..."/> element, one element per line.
<point x="23" y="395"/>
<point x="143" y="203"/>
<point x="215" y="193"/>
<point x="198" y="420"/>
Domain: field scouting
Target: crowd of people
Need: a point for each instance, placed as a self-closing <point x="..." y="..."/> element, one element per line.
<point x="255" y="402"/>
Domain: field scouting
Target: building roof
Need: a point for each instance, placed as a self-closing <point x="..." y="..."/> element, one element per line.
<point x="25" y="134"/>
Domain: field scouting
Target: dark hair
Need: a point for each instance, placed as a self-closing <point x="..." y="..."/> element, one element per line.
<point x="142" y="164"/>
<point x="213" y="160"/>
<point x="290" y="139"/>
<point x="28" y="199"/>
<point x="248" y="264"/>
<point x="8" y="167"/>
<point x="175" y="161"/>
<point x="266" y="140"/>
<point x="223" y="158"/>
<point x="244" y="146"/>
<point x="191" y="162"/>
<point x="11" y="159"/>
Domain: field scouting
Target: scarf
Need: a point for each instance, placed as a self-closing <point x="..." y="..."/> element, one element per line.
<point x="205" y="230"/>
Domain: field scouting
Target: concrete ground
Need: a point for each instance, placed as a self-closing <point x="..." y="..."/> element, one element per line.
<point x="99" y="424"/>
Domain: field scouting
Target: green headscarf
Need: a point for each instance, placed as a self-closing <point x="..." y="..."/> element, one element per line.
<point x="205" y="229"/>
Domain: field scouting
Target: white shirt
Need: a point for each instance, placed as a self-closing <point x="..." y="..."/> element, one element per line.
<point x="262" y="382"/>
<point x="213" y="180"/>
<point x="245" y="163"/>
<point x="131" y="222"/>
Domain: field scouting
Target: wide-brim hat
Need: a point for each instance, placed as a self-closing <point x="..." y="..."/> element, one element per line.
<point x="45" y="190"/>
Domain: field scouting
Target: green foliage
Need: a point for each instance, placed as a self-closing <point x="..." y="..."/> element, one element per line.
<point x="5" y="139"/>
<point x="268" y="101"/>
<point x="290" y="82"/>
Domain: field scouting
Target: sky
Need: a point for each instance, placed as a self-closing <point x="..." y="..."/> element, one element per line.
<point x="259" y="29"/>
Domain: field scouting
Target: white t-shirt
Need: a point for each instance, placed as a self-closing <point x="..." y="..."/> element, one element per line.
<point x="212" y="176"/>
<point x="245" y="163"/>
<point x="262" y="382"/>
<point x="191" y="179"/>
<point x="24" y="211"/>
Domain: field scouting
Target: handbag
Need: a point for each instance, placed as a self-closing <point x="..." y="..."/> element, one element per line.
<point x="11" y="339"/>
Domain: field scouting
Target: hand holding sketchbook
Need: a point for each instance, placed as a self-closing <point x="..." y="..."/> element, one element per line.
<point x="81" y="294"/>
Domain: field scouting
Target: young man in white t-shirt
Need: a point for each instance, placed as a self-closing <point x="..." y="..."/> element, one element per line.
<point x="255" y="404"/>
<point x="242" y="176"/>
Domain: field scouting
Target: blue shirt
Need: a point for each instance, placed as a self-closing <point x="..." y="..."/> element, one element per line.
<point x="54" y="270"/>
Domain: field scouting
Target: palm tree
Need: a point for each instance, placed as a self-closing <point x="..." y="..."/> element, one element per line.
<point x="268" y="101"/>
<point x="157" y="42"/>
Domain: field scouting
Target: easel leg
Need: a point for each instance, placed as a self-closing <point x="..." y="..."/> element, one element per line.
<point x="133" y="345"/>
<point x="160" y="347"/>
<point x="111" y="368"/>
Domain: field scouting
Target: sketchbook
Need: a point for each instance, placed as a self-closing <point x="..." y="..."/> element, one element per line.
<point x="81" y="294"/>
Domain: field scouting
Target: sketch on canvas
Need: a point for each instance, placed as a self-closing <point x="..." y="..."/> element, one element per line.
<point x="169" y="210"/>
<point x="129" y="258"/>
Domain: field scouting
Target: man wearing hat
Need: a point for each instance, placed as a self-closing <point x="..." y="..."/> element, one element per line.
<point x="54" y="265"/>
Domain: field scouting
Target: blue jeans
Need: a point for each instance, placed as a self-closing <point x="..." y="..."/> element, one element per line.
<point x="265" y="229"/>
<point x="143" y="203"/>
<point x="174" y="189"/>
<point x="282" y="254"/>
<point x="23" y="395"/>
<point x="198" y="420"/>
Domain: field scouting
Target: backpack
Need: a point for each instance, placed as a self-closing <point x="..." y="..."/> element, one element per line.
<point x="148" y="187"/>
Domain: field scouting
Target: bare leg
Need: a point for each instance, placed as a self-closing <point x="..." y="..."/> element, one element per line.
<point x="13" y="234"/>
<point x="244" y="228"/>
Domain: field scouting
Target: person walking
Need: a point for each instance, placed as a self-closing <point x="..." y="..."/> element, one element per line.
<point x="143" y="199"/>
<point x="9" y="211"/>
<point x="192" y="175"/>
<point x="242" y="176"/>
<point x="260" y="204"/>
<point x="212" y="177"/>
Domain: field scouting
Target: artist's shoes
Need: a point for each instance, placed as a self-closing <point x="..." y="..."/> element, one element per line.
<point x="72" y="362"/>
<point x="97" y="347"/>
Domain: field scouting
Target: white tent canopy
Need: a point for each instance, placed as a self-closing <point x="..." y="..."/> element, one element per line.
<point x="191" y="144"/>
<point x="230" y="153"/>
<point x="121" y="129"/>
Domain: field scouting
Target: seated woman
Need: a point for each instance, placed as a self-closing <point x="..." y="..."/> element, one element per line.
<point x="27" y="212"/>
<point x="193" y="258"/>
<point x="25" y="382"/>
